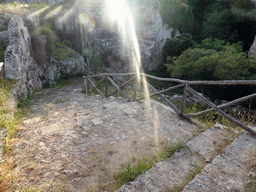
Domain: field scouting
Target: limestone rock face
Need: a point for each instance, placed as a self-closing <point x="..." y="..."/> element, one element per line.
<point x="4" y="20"/>
<point x="252" y="51"/>
<point x="4" y="34"/>
<point x="18" y="62"/>
<point x="66" y="63"/>
<point x="100" y="38"/>
<point x="4" y="39"/>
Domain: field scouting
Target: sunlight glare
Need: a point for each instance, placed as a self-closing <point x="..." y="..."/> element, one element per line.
<point x="54" y="12"/>
<point x="39" y="11"/>
<point x="87" y="22"/>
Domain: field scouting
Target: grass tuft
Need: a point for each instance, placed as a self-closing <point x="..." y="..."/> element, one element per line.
<point x="133" y="170"/>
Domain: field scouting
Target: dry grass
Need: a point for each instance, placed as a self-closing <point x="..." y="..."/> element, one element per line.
<point x="6" y="174"/>
<point x="14" y="8"/>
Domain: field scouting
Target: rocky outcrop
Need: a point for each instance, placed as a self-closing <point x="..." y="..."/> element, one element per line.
<point x="99" y="38"/>
<point x="252" y="51"/>
<point x="66" y="62"/>
<point x="4" y="34"/>
<point x="20" y="65"/>
<point x="4" y="39"/>
<point x="18" y="62"/>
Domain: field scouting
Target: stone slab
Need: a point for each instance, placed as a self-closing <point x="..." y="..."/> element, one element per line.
<point x="229" y="170"/>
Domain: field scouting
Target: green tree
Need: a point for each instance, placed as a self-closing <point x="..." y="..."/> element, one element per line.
<point x="208" y="64"/>
<point x="220" y="25"/>
<point x="177" y="15"/>
<point x="218" y="45"/>
<point x="172" y="47"/>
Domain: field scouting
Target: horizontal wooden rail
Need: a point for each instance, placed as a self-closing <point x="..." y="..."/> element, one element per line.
<point x="223" y="82"/>
<point x="163" y="91"/>
<point x="249" y="129"/>
<point x="183" y="83"/>
<point x="223" y="105"/>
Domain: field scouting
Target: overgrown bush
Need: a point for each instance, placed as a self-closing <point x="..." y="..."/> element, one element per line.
<point x="172" y="47"/>
<point x="218" y="45"/>
<point x="220" y="25"/>
<point x="43" y="42"/>
<point x="50" y="40"/>
<point x="202" y="64"/>
<point x="2" y="50"/>
<point x="38" y="47"/>
<point x="176" y="14"/>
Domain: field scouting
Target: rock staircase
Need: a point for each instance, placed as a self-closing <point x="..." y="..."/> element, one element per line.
<point x="223" y="168"/>
<point x="72" y="140"/>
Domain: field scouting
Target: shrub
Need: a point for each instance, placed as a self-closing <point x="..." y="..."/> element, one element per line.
<point x="170" y="11"/>
<point x="43" y="42"/>
<point x="172" y="47"/>
<point x="50" y="40"/>
<point x="247" y="5"/>
<point x="202" y="64"/>
<point x="218" y="45"/>
<point x="177" y="15"/>
<point x="38" y="47"/>
<point x="2" y="50"/>
<point x="220" y="24"/>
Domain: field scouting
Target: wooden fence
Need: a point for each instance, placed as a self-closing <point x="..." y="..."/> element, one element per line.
<point x="182" y="83"/>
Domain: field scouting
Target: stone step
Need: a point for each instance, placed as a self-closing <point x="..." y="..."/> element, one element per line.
<point x="174" y="172"/>
<point x="228" y="171"/>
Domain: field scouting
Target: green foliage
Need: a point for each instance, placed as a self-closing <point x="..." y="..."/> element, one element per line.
<point x="220" y="25"/>
<point x="177" y="15"/>
<point x="247" y="5"/>
<point x="2" y="50"/>
<point x="171" y="11"/>
<point x="50" y="40"/>
<point x="172" y="47"/>
<point x="100" y="58"/>
<point x="38" y="47"/>
<point x="203" y="64"/>
<point x="43" y="42"/>
<point x="218" y="45"/>
<point x="62" y="52"/>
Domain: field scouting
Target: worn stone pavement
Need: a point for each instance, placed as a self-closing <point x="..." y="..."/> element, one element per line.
<point x="74" y="142"/>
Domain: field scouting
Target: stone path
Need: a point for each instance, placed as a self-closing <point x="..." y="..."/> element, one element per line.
<point x="173" y="172"/>
<point x="72" y="142"/>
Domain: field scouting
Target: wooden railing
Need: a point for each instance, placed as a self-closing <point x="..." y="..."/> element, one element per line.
<point x="182" y="83"/>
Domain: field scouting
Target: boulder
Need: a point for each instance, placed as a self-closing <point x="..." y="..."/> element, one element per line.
<point x="65" y="63"/>
<point x="18" y="62"/>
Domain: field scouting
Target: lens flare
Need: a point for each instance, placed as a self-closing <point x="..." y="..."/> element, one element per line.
<point x="67" y="15"/>
<point x="120" y="12"/>
<point x="53" y="13"/>
<point x="87" y="22"/>
<point x="38" y="12"/>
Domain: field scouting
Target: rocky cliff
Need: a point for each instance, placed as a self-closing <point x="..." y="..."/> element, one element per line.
<point x="18" y="62"/>
<point x="20" y="65"/>
<point x="98" y="38"/>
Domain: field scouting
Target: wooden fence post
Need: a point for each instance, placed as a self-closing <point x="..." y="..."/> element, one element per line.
<point x="87" y="85"/>
<point x="183" y="104"/>
<point x="106" y="90"/>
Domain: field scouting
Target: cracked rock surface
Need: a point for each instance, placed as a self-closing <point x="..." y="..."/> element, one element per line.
<point x="73" y="142"/>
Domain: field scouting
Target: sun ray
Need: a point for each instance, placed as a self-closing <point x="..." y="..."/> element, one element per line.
<point x="53" y="13"/>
